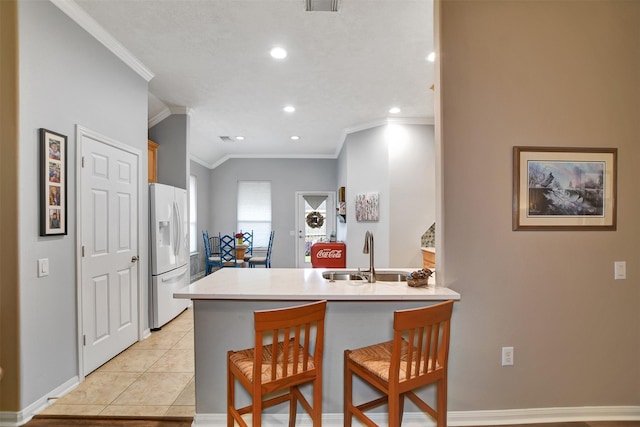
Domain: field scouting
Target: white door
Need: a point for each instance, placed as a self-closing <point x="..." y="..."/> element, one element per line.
<point x="315" y="221"/>
<point x="109" y="238"/>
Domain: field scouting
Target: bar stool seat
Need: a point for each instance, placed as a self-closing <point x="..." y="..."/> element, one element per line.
<point x="244" y="361"/>
<point x="377" y="360"/>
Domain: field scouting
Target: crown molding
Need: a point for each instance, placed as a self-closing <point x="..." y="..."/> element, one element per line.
<point x="199" y="161"/>
<point x="271" y="156"/>
<point x="80" y="17"/>
<point x="410" y="121"/>
<point x="424" y="121"/>
<point x="181" y="110"/>
<point x="166" y="113"/>
<point x="158" y="118"/>
<point x="343" y="136"/>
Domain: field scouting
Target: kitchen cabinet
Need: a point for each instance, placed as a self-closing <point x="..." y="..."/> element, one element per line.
<point x="152" y="148"/>
<point x="428" y="258"/>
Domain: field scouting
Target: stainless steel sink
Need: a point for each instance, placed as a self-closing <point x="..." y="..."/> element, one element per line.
<point x="381" y="276"/>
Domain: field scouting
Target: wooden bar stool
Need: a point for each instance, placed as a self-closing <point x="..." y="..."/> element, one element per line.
<point x="287" y="353"/>
<point x="417" y="356"/>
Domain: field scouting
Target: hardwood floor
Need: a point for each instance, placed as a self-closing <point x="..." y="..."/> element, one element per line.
<point x="98" y="421"/>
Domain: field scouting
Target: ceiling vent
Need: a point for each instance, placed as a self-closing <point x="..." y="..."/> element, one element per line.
<point x="225" y="139"/>
<point x="322" y="5"/>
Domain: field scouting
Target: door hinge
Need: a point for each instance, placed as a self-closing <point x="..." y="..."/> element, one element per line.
<point x="83" y="252"/>
<point x="84" y="340"/>
<point x="82" y="161"/>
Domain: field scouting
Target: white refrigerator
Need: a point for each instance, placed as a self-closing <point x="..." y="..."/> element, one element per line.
<point x="169" y="250"/>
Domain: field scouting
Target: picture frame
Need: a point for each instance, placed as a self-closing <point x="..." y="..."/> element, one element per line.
<point x="53" y="183"/>
<point x="367" y="207"/>
<point x="558" y="188"/>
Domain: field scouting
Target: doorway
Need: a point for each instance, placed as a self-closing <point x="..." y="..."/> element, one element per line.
<point x="109" y="277"/>
<point x="315" y="222"/>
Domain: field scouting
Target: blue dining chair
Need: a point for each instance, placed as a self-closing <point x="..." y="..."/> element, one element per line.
<point x="228" y="252"/>
<point x="211" y="252"/>
<point x="265" y="260"/>
<point x="247" y="239"/>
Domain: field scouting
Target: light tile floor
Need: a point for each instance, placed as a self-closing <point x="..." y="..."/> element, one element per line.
<point x="154" y="377"/>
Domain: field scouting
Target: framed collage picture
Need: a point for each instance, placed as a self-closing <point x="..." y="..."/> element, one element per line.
<point x="564" y="188"/>
<point x="53" y="183"/>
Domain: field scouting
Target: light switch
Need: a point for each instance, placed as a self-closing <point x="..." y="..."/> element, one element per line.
<point x="620" y="270"/>
<point x="43" y="267"/>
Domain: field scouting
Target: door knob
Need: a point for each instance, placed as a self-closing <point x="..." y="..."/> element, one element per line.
<point x="134" y="258"/>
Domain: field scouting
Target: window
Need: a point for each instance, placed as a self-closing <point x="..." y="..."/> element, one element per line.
<point x="254" y="210"/>
<point x="193" y="214"/>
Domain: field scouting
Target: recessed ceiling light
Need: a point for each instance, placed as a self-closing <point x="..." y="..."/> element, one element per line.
<point x="431" y="57"/>
<point x="394" y="110"/>
<point x="289" y="109"/>
<point x="239" y="138"/>
<point x="295" y="138"/>
<point x="278" y="53"/>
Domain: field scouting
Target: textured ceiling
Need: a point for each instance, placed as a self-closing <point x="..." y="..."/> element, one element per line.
<point x="344" y="69"/>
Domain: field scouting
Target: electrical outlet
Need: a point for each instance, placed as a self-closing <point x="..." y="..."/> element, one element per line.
<point x="507" y="356"/>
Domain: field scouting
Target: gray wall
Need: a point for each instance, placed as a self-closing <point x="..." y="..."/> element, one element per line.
<point x="287" y="176"/>
<point x="66" y="78"/>
<point x="367" y="171"/>
<point x="412" y="184"/>
<point x="172" y="134"/>
<point x="552" y="73"/>
<point x="396" y="161"/>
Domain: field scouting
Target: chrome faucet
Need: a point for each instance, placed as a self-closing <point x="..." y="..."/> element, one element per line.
<point x="368" y="249"/>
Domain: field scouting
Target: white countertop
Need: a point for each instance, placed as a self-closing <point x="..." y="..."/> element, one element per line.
<point x="305" y="284"/>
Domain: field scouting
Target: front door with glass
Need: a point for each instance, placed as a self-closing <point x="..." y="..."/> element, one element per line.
<point x="315" y="221"/>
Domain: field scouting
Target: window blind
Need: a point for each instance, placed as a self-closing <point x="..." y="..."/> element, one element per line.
<point x="254" y="210"/>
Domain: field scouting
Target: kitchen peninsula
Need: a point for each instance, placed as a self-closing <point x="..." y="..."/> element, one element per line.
<point x="358" y="314"/>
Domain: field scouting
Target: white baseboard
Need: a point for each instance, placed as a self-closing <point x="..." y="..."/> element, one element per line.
<point x="457" y="418"/>
<point x="146" y="333"/>
<point x="15" y="419"/>
<point x="544" y="415"/>
<point x="410" y="419"/>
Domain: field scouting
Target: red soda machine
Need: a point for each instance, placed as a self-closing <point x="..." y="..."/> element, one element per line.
<point x="329" y="255"/>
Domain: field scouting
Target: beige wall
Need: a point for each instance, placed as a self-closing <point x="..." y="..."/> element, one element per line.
<point x="541" y="73"/>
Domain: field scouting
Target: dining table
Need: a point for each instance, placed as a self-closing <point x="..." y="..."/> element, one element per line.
<point x="240" y="251"/>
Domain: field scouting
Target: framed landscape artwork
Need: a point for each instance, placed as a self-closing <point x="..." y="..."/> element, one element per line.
<point x="53" y="183"/>
<point x="564" y="188"/>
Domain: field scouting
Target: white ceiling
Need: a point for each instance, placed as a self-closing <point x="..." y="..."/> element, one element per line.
<point x="344" y="69"/>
